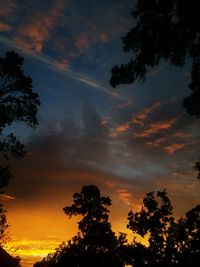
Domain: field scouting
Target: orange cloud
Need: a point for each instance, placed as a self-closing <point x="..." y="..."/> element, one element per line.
<point x="5" y="27"/>
<point x="4" y="197"/>
<point x="157" y="127"/>
<point x="171" y="149"/>
<point x="157" y="142"/>
<point x="181" y="134"/>
<point x="140" y="117"/>
<point x="121" y="129"/>
<point x="125" y="196"/>
<point x="33" y="35"/>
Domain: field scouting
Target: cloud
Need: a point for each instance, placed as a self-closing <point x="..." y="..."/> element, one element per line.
<point x="38" y="29"/>
<point x="68" y="152"/>
<point x="63" y="67"/>
<point x="4" y="197"/>
<point x="138" y="119"/>
<point x="172" y="148"/>
<point x="5" y="27"/>
<point x="82" y="41"/>
<point x="124" y="105"/>
<point x="7" y="7"/>
<point x="125" y="196"/>
<point x="141" y="116"/>
<point x="157" y="127"/>
<point x="121" y="129"/>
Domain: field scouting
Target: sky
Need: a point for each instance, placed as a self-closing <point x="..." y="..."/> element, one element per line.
<point x="128" y="141"/>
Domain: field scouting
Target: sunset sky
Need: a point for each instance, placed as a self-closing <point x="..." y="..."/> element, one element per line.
<point x="128" y="141"/>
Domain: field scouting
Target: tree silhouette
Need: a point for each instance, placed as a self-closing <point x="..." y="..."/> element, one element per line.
<point x="96" y="238"/>
<point x="3" y="226"/>
<point x="169" y="30"/>
<point x="165" y="29"/>
<point x="18" y="103"/>
<point x="171" y="242"/>
<point x="96" y="243"/>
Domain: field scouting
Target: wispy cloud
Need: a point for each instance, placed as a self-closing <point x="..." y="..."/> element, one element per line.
<point x="158" y="142"/>
<point x="7" y="7"/>
<point x="157" y="127"/>
<point x="125" y="196"/>
<point x="38" y="29"/>
<point x="4" y="197"/>
<point x="138" y="119"/>
<point x="163" y="143"/>
<point x="121" y="129"/>
<point x="172" y="148"/>
<point x="5" y="27"/>
<point x="65" y="70"/>
<point x="141" y="116"/>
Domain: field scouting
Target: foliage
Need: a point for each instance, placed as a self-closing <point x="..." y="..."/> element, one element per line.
<point x="96" y="243"/>
<point x="197" y="168"/>
<point x="163" y="29"/>
<point x="18" y="103"/>
<point x="3" y="227"/>
<point x="171" y="242"/>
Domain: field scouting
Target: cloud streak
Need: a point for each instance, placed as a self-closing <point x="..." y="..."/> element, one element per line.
<point x="157" y="127"/>
<point x="65" y="70"/>
<point x="138" y="119"/>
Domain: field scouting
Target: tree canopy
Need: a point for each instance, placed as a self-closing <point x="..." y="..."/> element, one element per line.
<point x="18" y="103"/>
<point x="172" y="242"/>
<point x="3" y="226"/>
<point x="163" y="29"/>
<point x="95" y="244"/>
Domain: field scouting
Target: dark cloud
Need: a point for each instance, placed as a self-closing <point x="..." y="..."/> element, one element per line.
<point x="62" y="155"/>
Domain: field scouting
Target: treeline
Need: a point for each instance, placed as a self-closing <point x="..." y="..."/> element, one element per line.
<point x="172" y="242"/>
